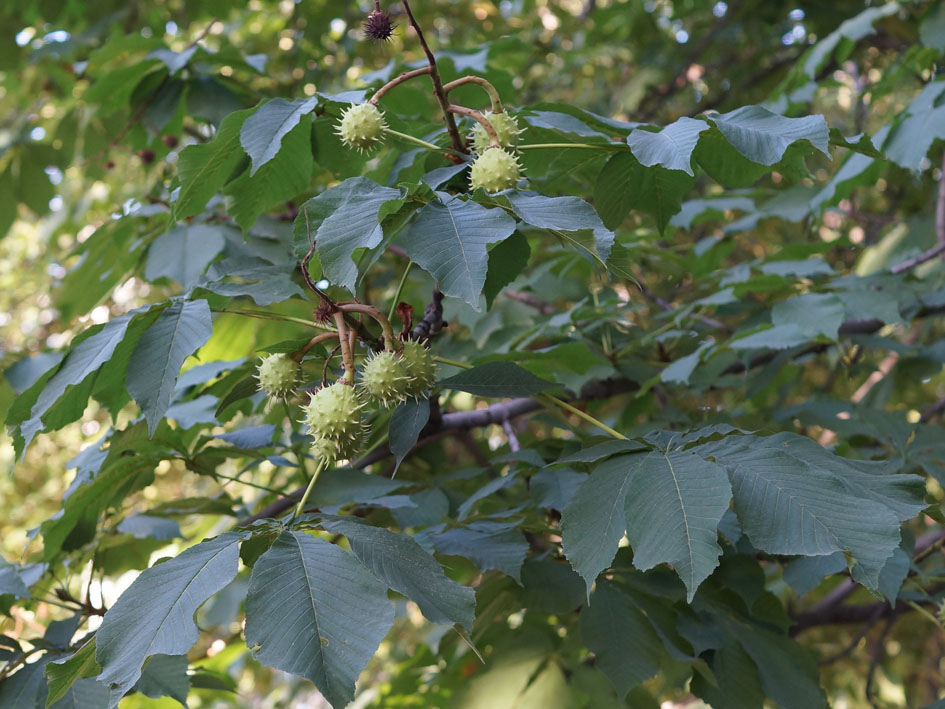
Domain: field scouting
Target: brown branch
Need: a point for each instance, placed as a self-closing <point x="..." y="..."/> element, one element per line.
<point x="438" y="91"/>
<point x="530" y="300"/>
<point x="666" y="305"/>
<point x="921" y="258"/>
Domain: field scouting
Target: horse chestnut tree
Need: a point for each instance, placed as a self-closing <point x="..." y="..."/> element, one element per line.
<point x="579" y="354"/>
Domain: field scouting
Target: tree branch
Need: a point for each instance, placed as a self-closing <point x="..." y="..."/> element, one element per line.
<point x="438" y="91"/>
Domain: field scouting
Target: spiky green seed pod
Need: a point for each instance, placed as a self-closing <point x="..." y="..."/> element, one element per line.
<point x="334" y="414"/>
<point x="420" y="368"/>
<point x="506" y="128"/>
<point x="362" y="126"/>
<point x="495" y="170"/>
<point x="385" y="378"/>
<point x="328" y="452"/>
<point x="277" y="374"/>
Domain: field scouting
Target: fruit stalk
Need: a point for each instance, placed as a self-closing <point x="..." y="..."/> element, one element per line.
<point x="346" y="355"/>
<point x="319" y="467"/>
<point x="390" y="339"/>
<point x="311" y="343"/>
<point x="476" y="116"/>
<point x="406" y="76"/>
<point x="490" y="89"/>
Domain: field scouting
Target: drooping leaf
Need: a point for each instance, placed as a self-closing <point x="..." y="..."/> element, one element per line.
<point x="624" y="185"/>
<point x="299" y="621"/>
<point x="402" y="564"/>
<point x="910" y="141"/>
<point x="184" y="253"/>
<point x="84" y="360"/>
<point x="63" y="674"/>
<point x="594" y="521"/>
<point x="405" y="426"/>
<point x="277" y="180"/>
<point x="674" y="503"/>
<point x="343" y="219"/>
<point x="165" y="676"/>
<point x="792" y="497"/>
<point x="562" y="214"/>
<point x="448" y="239"/>
<point x="763" y="136"/>
<point x="156" y="361"/>
<point x="626" y="645"/>
<point x="489" y="545"/>
<point x="261" y="134"/>
<point x="507" y="260"/>
<point x="205" y="168"/>
<point x="671" y="147"/>
<point x="155" y="616"/>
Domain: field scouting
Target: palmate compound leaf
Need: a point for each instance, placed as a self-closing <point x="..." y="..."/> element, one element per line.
<point x="794" y="497"/>
<point x="406" y="567"/>
<point x="156" y="614"/>
<point x="669" y="505"/>
<point x="448" y="239"/>
<point x="313" y="610"/>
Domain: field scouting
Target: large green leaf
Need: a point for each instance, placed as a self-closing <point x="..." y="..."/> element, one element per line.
<point x="341" y="220"/>
<point x="792" y="497"/>
<point x="624" y="185"/>
<point x="64" y="674"/>
<point x="674" y="504"/>
<point x="910" y="141"/>
<point x="488" y="544"/>
<point x="205" y="168"/>
<point x="156" y="361"/>
<point x="763" y="136"/>
<point x="627" y="647"/>
<point x="184" y="253"/>
<point x="448" y="238"/>
<point x="262" y="133"/>
<point x="594" y="521"/>
<point x="562" y="214"/>
<point x="76" y="369"/>
<point x="156" y="614"/>
<point x="405" y="426"/>
<point x="403" y="565"/>
<point x="315" y="611"/>
<point x="671" y="147"/>
<point x="278" y="180"/>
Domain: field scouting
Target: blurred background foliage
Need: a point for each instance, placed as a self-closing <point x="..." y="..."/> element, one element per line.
<point x="76" y="146"/>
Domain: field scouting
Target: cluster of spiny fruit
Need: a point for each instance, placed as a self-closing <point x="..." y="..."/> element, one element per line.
<point x="334" y="414"/>
<point x="495" y="168"/>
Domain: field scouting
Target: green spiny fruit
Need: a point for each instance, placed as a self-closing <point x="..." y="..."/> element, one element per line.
<point x="334" y="414"/>
<point x="362" y="126"/>
<point x="420" y="368"/>
<point x="506" y="128"/>
<point x="384" y="376"/>
<point x="277" y="374"/>
<point x="495" y="170"/>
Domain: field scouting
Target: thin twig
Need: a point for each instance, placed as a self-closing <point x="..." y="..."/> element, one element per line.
<point x="920" y="259"/>
<point x="530" y="300"/>
<point x="514" y="445"/>
<point x="667" y="306"/>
